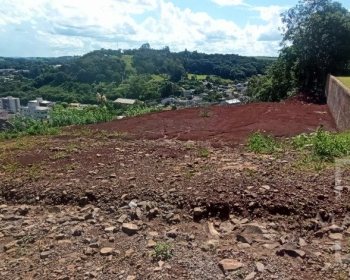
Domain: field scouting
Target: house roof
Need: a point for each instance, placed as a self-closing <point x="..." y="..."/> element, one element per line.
<point x="125" y="101"/>
<point x="233" y="101"/>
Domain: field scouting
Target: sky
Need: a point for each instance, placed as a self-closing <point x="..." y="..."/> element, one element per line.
<point x="74" y="27"/>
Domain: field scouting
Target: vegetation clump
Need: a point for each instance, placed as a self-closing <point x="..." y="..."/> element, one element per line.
<point x="162" y="251"/>
<point x="262" y="143"/>
<point x="316" y="42"/>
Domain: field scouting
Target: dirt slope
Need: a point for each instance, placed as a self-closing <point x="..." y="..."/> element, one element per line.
<point x="229" y="125"/>
<point x="94" y="206"/>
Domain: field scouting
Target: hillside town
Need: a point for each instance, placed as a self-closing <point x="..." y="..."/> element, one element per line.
<point x="223" y="94"/>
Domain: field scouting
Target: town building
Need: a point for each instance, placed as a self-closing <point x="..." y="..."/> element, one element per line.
<point x="37" y="109"/>
<point x="10" y="104"/>
<point x="126" y="101"/>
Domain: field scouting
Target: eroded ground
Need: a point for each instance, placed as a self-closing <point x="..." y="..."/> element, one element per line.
<point x="94" y="205"/>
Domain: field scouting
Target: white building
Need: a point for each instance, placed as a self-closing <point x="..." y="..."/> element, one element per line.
<point x="125" y="101"/>
<point x="37" y="109"/>
<point x="10" y="104"/>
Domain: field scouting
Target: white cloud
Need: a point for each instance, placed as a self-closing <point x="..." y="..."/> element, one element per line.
<point x="228" y="2"/>
<point x="76" y="26"/>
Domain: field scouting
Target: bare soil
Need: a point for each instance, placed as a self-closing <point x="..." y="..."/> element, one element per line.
<point x="225" y="124"/>
<point x="64" y="202"/>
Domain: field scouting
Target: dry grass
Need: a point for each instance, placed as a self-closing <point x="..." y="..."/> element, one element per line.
<point x="345" y="81"/>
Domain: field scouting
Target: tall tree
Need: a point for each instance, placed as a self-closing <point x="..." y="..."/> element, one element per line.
<point x="319" y="33"/>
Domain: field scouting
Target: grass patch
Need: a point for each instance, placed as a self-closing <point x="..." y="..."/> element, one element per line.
<point x="324" y="145"/>
<point x="345" y="81"/>
<point x="138" y="110"/>
<point x="162" y="251"/>
<point x="203" y="152"/>
<point x="316" y="150"/>
<point x="262" y="144"/>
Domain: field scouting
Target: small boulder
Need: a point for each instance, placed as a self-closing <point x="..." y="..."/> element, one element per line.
<point x="106" y="251"/>
<point x="130" y="228"/>
<point x="230" y="265"/>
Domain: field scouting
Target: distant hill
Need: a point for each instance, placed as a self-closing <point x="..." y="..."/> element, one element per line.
<point x="78" y="78"/>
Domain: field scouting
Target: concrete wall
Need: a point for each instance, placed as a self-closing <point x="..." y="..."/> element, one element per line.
<point x="338" y="100"/>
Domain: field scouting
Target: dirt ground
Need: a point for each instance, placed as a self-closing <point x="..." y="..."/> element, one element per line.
<point x="224" y="124"/>
<point x="94" y="205"/>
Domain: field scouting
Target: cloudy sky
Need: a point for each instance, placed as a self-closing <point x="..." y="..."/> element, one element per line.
<point x="72" y="27"/>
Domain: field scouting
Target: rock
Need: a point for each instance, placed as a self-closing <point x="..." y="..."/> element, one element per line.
<point x="175" y="219"/>
<point x="290" y="251"/>
<point x="226" y="227"/>
<point x="266" y="187"/>
<point x="336" y="248"/>
<point x="12" y="218"/>
<point x="210" y="245"/>
<point x="250" y="276"/>
<point x="122" y="218"/>
<point x="212" y="231"/>
<point x="172" y="233"/>
<point x="131" y="277"/>
<point x="23" y="210"/>
<point x="45" y="254"/>
<point x="302" y="242"/>
<point x="129" y="253"/>
<point x="77" y="231"/>
<point x="198" y="213"/>
<point x="333" y="229"/>
<point x="243" y="245"/>
<point x="252" y="229"/>
<point x="89" y="251"/>
<point x="10" y="245"/>
<point x="106" y="251"/>
<point x="230" y="265"/>
<point x="110" y="229"/>
<point x="336" y="236"/>
<point x="346" y="259"/>
<point x="130" y="228"/>
<point x="260" y="267"/>
<point x="151" y="243"/>
<point x="133" y="204"/>
<point x="244" y="239"/>
<point x="60" y="236"/>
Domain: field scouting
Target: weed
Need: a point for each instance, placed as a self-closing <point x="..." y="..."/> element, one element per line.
<point x="59" y="155"/>
<point x="11" y="168"/>
<point x="323" y="145"/>
<point x="162" y="251"/>
<point x="263" y="144"/>
<point x="34" y="172"/>
<point x="203" y="152"/>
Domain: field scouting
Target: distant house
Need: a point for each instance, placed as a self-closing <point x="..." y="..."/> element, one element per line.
<point x="37" y="109"/>
<point x="188" y="93"/>
<point x="10" y="104"/>
<point x="126" y="101"/>
<point x="231" y="102"/>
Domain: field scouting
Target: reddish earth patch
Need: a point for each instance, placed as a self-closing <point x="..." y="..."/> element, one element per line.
<point x="226" y="124"/>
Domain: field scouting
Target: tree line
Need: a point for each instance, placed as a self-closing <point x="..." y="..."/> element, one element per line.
<point x="143" y="73"/>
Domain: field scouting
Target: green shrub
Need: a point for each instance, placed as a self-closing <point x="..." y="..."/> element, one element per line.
<point x="263" y="144"/>
<point x="138" y="110"/>
<point x="324" y="145"/>
<point x="203" y="152"/>
<point x="162" y="251"/>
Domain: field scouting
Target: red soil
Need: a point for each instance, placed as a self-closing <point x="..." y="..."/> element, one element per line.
<point x="226" y="124"/>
